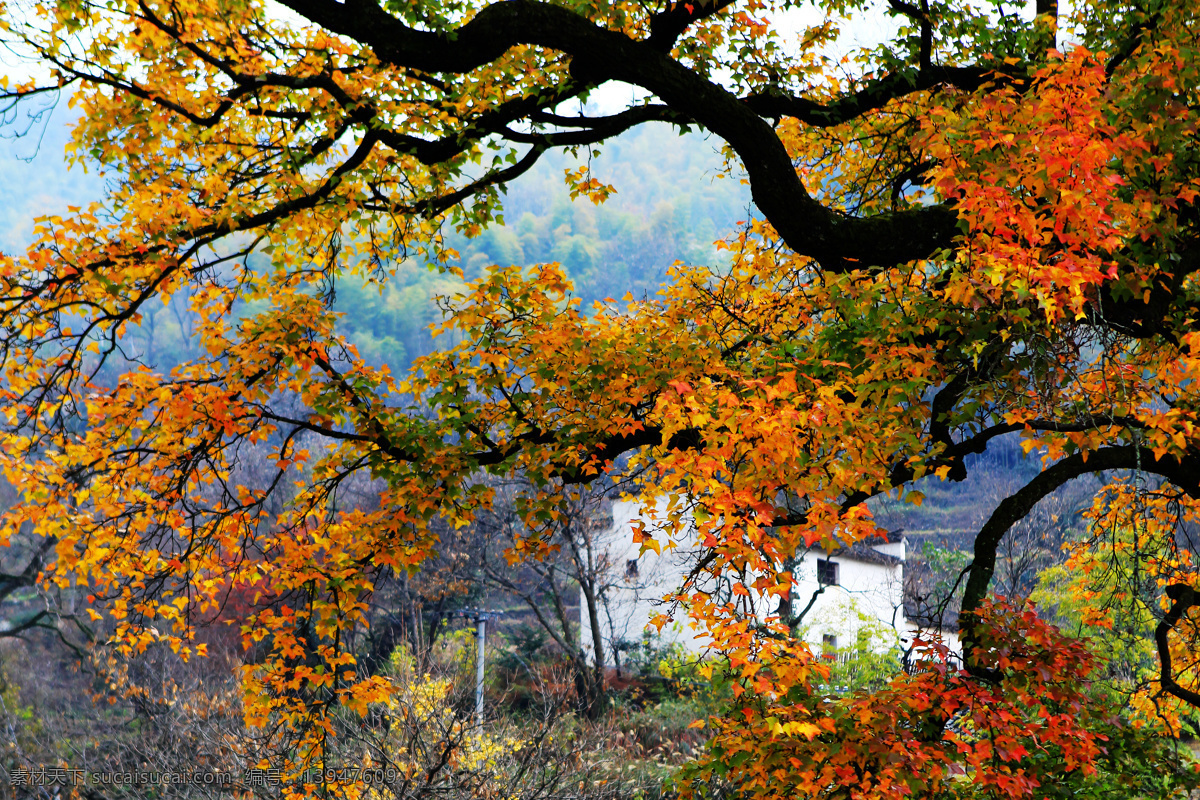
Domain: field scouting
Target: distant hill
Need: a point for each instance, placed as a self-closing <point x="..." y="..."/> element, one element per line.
<point x="34" y="177"/>
<point x="672" y="203"/>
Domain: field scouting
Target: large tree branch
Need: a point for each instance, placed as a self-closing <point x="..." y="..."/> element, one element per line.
<point x="871" y="97"/>
<point x="1183" y="472"/>
<point x="1164" y="309"/>
<point x="1183" y="598"/>
<point x="11" y="582"/>
<point x="837" y="241"/>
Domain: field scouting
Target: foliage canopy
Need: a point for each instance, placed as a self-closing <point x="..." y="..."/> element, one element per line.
<point x="964" y="233"/>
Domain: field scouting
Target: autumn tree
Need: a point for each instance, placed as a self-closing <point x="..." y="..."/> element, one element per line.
<point x="984" y="226"/>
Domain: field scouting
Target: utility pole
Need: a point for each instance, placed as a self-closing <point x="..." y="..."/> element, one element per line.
<point x="480" y="617"/>
<point x="480" y="638"/>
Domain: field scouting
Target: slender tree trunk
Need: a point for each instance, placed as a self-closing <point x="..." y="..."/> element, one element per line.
<point x="593" y="673"/>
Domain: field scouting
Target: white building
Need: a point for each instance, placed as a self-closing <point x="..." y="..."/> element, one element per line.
<point x="851" y="597"/>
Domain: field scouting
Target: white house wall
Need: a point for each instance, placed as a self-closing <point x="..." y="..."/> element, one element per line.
<point x="631" y="600"/>
<point x="869" y="595"/>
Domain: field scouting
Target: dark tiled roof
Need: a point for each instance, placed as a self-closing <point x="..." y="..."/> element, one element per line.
<point x="861" y="551"/>
<point x="865" y="551"/>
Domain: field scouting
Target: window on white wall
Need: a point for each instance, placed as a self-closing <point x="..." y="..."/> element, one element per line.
<point x="829" y="647"/>
<point x="827" y="572"/>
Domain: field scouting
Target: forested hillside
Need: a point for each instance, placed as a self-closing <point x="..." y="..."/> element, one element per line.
<point x="673" y="200"/>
